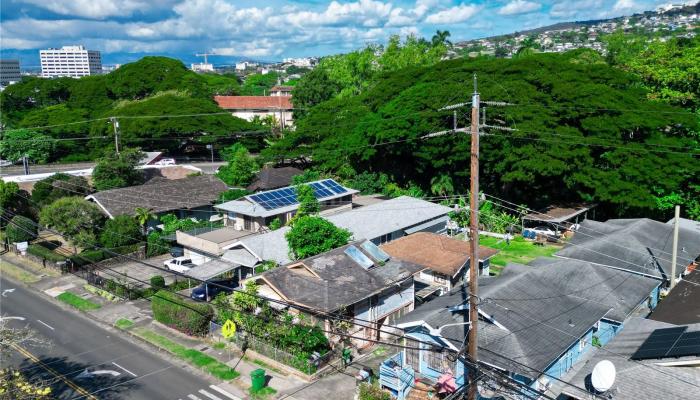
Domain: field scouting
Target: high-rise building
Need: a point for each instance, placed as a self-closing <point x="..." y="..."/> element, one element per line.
<point x="9" y="72"/>
<point x="73" y="61"/>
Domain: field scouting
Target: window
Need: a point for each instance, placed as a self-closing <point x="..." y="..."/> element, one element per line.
<point x="247" y="223"/>
<point x="439" y="278"/>
<point x="581" y="344"/>
<point x="412" y="354"/>
<point x="433" y="359"/>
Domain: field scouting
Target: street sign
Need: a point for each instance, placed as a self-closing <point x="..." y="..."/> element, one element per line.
<point x="229" y="329"/>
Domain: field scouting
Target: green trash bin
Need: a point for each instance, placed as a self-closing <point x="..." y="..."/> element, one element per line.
<point x="257" y="379"/>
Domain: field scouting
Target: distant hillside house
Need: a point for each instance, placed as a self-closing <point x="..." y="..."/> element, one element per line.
<point x="281" y="90"/>
<point x="249" y="107"/>
<point x="187" y="197"/>
<point x="256" y="211"/>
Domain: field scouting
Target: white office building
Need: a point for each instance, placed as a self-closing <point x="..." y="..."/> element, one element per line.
<point x="72" y="61"/>
<point x="9" y="72"/>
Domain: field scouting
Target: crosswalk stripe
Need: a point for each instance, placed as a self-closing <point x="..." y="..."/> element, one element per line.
<point x="225" y="393"/>
<point x="211" y="396"/>
<point x="193" y="397"/>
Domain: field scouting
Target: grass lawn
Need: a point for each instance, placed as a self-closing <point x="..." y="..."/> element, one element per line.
<point x="124" y="323"/>
<point x="264" y="365"/>
<point x="519" y="251"/>
<point x="77" y="301"/>
<point x="263" y="393"/>
<point x="219" y="345"/>
<point x="194" y="357"/>
<point x="17" y="273"/>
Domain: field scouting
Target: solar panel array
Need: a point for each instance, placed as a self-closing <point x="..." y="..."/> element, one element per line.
<point x="287" y="196"/>
<point x="670" y="342"/>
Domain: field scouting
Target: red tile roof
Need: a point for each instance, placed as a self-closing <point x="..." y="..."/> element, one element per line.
<point x="254" y="102"/>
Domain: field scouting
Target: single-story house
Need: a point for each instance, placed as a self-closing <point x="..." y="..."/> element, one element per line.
<point x="204" y="244"/>
<point x="249" y="107"/>
<point x="273" y="178"/>
<point x="193" y="196"/>
<point x="379" y="223"/>
<point x="446" y="259"/>
<point x="545" y="316"/>
<point x="637" y="377"/>
<point x="358" y="280"/>
<point x="641" y="246"/>
<point x="281" y="90"/>
<point x="682" y="304"/>
<point x="558" y="216"/>
<point x="255" y="212"/>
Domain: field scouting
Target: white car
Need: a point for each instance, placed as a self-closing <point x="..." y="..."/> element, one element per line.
<point x="165" y="161"/>
<point x="179" y="264"/>
<point x="544" y="230"/>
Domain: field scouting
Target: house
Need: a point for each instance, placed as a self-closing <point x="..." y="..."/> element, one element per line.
<point x="255" y="212"/>
<point x="682" y="305"/>
<point x="273" y="178"/>
<point x="249" y="107"/>
<point x="446" y="259"/>
<point x="638" y="377"/>
<point x="640" y="246"/>
<point x="281" y="90"/>
<point x="193" y="196"/>
<point x="204" y="244"/>
<point x="544" y="316"/>
<point x="378" y="222"/>
<point x="358" y="280"/>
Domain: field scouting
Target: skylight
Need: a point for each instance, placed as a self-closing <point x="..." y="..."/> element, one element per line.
<point x="357" y="256"/>
<point x="375" y="251"/>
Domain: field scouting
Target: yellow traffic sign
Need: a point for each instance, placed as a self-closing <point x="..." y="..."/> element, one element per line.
<point x="229" y="329"/>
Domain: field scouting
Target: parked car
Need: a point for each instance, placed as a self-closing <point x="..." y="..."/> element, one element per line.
<point x="165" y="161"/>
<point x="208" y="291"/>
<point x="544" y="230"/>
<point x="177" y="251"/>
<point x="179" y="264"/>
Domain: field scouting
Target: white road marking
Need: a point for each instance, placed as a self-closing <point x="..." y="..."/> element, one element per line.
<point x="45" y="324"/>
<point x="6" y="291"/>
<point x="225" y="393"/>
<point x="17" y="318"/>
<point x="125" y="370"/>
<point x="91" y="374"/>
<point x="193" y="397"/>
<point x="211" y="396"/>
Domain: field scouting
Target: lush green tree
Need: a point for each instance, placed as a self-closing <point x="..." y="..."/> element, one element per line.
<point x="21" y="229"/>
<point x="442" y="185"/>
<point x="441" y="38"/>
<point x="8" y="193"/>
<point x="241" y="167"/>
<point x="307" y="176"/>
<point x="311" y="235"/>
<point x="59" y="185"/>
<point x="308" y="203"/>
<point x="75" y="218"/>
<point x="120" y="231"/>
<point x="259" y="84"/>
<point x="314" y="88"/>
<point x="275" y="224"/>
<point x="222" y="84"/>
<point x="15" y="144"/>
<point x="118" y="170"/>
<point x="232" y="194"/>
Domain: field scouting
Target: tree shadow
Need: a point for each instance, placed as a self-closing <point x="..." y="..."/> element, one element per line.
<point x="101" y="386"/>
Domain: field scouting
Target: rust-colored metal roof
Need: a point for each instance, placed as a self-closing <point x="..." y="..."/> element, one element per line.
<point x="439" y="253"/>
<point x="254" y="102"/>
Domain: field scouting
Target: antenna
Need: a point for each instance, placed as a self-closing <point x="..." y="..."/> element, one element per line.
<point x="603" y="376"/>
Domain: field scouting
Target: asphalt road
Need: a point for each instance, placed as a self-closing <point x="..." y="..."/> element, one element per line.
<point x="118" y="369"/>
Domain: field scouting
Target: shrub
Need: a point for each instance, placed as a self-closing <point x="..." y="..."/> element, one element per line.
<point x="157" y="282"/>
<point x="275" y="224"/>
<point x="232" y="194"/>
<point x="121" y="231"/>
<point x="182" y="314"/>
<point x="20" y="229"/>
<point x="311" y="235"/>
<point x="41" y="251"/>
<point x="372" y="392"/>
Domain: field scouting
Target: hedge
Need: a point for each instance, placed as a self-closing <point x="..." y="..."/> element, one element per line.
<point x="43" y="252"/>
<point x="182" y="314"/>
<point x="20" y="229"/>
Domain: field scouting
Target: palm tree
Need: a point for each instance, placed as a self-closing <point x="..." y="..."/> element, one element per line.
<point x="440" y="37"/>
<point x="442" y="185"/>
<point x="143" y="215"/>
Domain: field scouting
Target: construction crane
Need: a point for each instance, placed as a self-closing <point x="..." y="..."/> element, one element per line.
<point x="205" y="55"/>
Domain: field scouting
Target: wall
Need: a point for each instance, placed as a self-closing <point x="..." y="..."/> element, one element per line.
<point x="425" y="370"/>
<point x="606" y="331"/>
<point x="573" y="353"/>
<point x="248" y="115"/>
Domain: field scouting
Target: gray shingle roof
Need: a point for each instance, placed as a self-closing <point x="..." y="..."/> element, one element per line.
<point x="522" y="335"/>
<point x="643" y="379"/>
<point x="341" y="281"/>
<point x="639" y="245"/>
<point x="273" y="178"/>
<point x="161" y="196"/>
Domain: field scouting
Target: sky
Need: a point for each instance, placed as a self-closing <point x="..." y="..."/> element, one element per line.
<point x="125" y="30"/>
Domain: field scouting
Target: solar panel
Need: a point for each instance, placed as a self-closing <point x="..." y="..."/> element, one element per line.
<point x="670" y="342"/>
<point x="355" y="253"/>
<point x="279" y="198"/>
<point x="375" y="251"/>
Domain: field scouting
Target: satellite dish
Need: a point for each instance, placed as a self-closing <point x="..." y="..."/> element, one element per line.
<point x="603" y="376"/>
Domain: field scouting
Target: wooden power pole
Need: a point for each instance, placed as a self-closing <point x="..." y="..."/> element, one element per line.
<point x="474" y="248"/>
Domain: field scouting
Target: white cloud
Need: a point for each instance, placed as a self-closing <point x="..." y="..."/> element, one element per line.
<point x="100" y="9"/>
<point x="453" y="15"/>
<point x="519" y="7"/>
<point x="626" y="6"/>
<point x="571" y="8"/>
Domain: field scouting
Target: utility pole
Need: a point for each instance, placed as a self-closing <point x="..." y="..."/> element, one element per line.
<point x="115" y="125"/>
<point x="474" y="248"/>
<point x="674" y="252"/>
